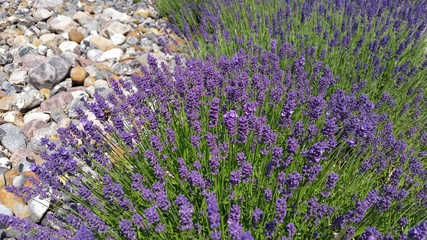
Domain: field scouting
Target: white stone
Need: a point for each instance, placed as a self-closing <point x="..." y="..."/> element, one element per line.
<point x="36" y="115"/>
<point x="41" y="14"/>
<point x="118" y="39"/>
<point x="115" y="53"/>
<point x="18" y="77"/>
<point x="38" y="208"/>
<point x="5" y="164"/>
<point x="101" y="83"/>
<point x="80" y="95"/>
<point x="19" y="181"/>
<point x="68" y="46"/>
<point x="116" y="15"/>
<point x="62" y="24"/>
<point x="42" y="50"/>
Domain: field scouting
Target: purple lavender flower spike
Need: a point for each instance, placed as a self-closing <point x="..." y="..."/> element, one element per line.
<point x="230" y="119"/>
<point x="213" y="211"/>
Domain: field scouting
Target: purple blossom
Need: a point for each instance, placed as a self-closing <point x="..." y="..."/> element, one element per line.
<point x="332" y="179"/>
<point x="230" y="119"/>
<point x="293" y="180"/>
<point x="281" y="209"/>
<point x="256" y="216"/>
<point x="152" y="215"/>
<point x="127" y="229"/>
<point x="213" y="211"/>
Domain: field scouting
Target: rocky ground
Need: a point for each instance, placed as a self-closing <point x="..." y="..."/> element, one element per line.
<point x="55" y="54"/>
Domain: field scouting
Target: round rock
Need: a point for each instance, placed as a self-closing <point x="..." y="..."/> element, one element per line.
<point x="78" y="75"/>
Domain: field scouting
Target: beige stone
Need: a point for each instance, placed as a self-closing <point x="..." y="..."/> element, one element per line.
<point x="78" y="75"/>
<point x="102" y="43"/>
<point x="76" y="36"/>
<point x="10" y="175"/>
<point x="16" y="204"/>
<point x="89" y="81"/>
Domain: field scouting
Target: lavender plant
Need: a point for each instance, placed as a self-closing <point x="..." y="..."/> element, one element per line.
<point x="233" y="148"/>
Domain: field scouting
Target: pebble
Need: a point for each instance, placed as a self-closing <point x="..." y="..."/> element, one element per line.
<point x="55" y="54"/>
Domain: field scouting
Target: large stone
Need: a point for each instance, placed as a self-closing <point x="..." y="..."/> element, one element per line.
<point x="47" y="3"/>
<point x="38" y="207"/>
<point x="41" y="14"/>
<point x="36" y="116"/>
<point x="30" y="127"/>
<point x="28" y="100"/>
<point x="115" y="53"/>
<point x="20" y="41"/>
<point x="50" y="39"/>
<point x="31" y="61"/>
<point x="6" y="102"/>
<point x="14" y="203"/>
<point x="118" y="39"/>
<point x="43" y="76"/>
<point x="47" y="74"/>
<point x="116" y="15"/>
<point x="68" y="46"/>
<point x="116" y="27"/>
<point x="62" y="67"/>
<point x="11" y="137"/>
<point x="102" y="43"/>
<point x="62" y="24"/>
<point x="9" y="34"/>
<point x="59" y="100"/>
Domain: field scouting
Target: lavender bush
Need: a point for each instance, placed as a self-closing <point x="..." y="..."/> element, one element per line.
<point x="233" y="148"/>
<point x="274" y="138"/>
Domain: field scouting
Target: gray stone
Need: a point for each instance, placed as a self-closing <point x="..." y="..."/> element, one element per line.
<point x="38" y="134"/>
<point x="57" y="115"/>
<point x="43" y="76"/>
<point x="50" y="73"/>
<point x="24" y="50"/>
<point x="62" y="86"/>
<point x="73" y="106"/>
<point x="11" y="137"/>
<point x="132" y="40"/>
<point x="6" y="58"/>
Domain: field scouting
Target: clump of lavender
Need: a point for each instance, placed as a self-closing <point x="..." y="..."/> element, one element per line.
<point x="214" y="150"/>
